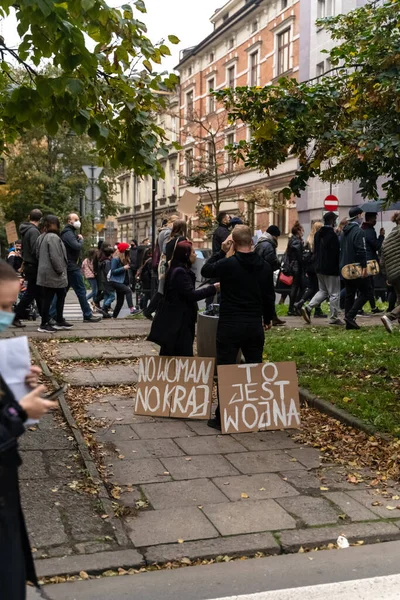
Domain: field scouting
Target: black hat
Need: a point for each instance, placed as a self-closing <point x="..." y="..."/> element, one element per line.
<point x="330" y="217"/>
<point x="235" y="221"/>
<point x="274" y="230"/>
<point x="355" y="212"/>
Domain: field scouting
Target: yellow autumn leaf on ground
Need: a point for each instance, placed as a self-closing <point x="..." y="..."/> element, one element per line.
<point x="180" y="541"/>
<point x="346" y="399"/>
<point x="244" y="495"/>
<point x="83" y="575"/>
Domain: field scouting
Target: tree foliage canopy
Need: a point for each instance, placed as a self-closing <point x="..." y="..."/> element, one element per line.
<point x="102" y="83"/>
<point x="343" y="126"/>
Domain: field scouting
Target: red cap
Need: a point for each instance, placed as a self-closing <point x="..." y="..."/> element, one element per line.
<point x="123" y="247"/>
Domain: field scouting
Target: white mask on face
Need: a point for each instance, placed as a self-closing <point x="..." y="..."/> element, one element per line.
<point x="77" y="224"/>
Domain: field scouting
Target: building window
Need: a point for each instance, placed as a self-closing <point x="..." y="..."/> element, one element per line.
<point x="189" y="162"/>
<point x="211" y="98"/>
<point x="231" y="77"/>
<point x="280" y="219"/>
<point x="253" y="69"/>
<point x="174" y="129"/>
<point x="284" y="51"/>
<point x="172" y="177"/>
<point x="320" y="69"/>
<point x="211" y="57"/>
<point x="284" y="4"/>
<point x="189" y="105"/>
<point x="254" y="26"/>
<point x="225" y="17"/>
<point x="211" y="155"/>
<point x="326" y="8"/>
<point x="190" y="71"/>
<point x="231" y="43"/>
<point x="230" y="140"/>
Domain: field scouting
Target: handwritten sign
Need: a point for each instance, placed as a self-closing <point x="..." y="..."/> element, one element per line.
<point x="175" y="387"/>
<point x="11" y="232"/>
<point x="258" y="397"/>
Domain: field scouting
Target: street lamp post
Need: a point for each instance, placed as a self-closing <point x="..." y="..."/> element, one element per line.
<point x="153" y="234"/>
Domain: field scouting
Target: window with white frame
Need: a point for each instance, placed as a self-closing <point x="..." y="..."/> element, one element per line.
<point x="283" y="59"/>
<point x="230" y="76"/>
<point x="230" y="140"/>
<point x="211" y="57"/>
<point x="326" y="8"/>
<point x="231" y="43"/>
<point x="190" y="71"/>
<point x="211" y="155"/>
<point x="253" y="68"/>
<point x="189" y="162"/>
<point x="174" y="129"/>
<point x="254" y="26"/>
<point x="172" y="177"/>
<point x="211" y="98"/>
<point x="284" y="4"/>
<point x="189" y="104"/>
<point x="320" y="70"/>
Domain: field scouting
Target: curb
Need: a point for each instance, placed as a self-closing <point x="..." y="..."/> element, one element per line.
<point x="90" y="465"/>
<point x="327" y="408"/>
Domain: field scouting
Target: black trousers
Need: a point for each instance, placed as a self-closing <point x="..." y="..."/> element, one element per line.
<point x="232" y="337"/>
<point x="47" y="298"/>
<point x="154" y="302"/>
<point x="32" y="292"/>
<point x="371" y="293"/>
<point x="352" y="304"/>
<point x="122" y="291"/>
<point x="296" y="291"/>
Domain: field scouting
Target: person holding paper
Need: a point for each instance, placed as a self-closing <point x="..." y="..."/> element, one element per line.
<point x="16" y="562"/>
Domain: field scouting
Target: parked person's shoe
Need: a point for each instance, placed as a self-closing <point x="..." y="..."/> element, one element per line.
<point x="214" y="423"/>
<point x="92" y="319"/>
<point x="336" y="321"/>
<point x="275" y="322"/>
<point x="18" y="323"/>
<point x="63" y="325"/>
<point x="388" y="323"/>
<point x="47" y="328"/>
<point x="351" y="324"/>
<point x="306" y="314"/>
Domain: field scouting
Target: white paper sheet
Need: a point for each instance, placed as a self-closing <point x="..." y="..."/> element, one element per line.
<point x="15" y="364"/>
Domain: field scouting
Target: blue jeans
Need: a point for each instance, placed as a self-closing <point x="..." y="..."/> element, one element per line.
<point x="109" y="297"/>
<point x="93" y="285"/>
<point x="75" y="281"/>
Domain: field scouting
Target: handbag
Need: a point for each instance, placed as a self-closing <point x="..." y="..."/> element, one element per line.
<point x="286" y="279"/>
<point x="354" y="270"/>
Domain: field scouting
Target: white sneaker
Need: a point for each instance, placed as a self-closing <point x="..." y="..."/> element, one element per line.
<point x="388" y="324"/>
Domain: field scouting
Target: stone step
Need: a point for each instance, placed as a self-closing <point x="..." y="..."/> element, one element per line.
<point x="111" y="350"/>
<point x="106" y="375"/>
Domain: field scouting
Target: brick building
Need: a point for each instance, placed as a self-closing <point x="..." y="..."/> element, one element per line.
<point x="253" y="43"/>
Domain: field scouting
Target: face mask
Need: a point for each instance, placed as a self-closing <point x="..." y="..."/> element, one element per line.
<point x="6" y="319"/>
<point x="359" y="220"/>
<point x="77" y="224"/>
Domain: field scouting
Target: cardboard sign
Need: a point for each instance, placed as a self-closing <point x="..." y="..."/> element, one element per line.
<point x="258" y="397"/>
<point x="175" y="387"/>
<point x="11" y="232"/>
<point x="188" y="202"/>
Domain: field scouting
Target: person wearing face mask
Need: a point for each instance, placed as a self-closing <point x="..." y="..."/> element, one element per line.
<point x="353" y="250"/>
<point x="16" y="562"/>
<point x="52" y="274"/>
<point x="73" y="242"/>
<point x="174" y="324"/>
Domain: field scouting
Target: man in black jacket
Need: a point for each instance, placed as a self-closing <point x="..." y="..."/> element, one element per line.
<point x="327" y="255"/>
<point x="29" y="235"/>
<point x="374" y="244"/>
<point x="353" y="250"/>
<point x="73" y="243"/>
<point x="222" y="231"/>
<point x="247" y="301"/>
<point x="266" y="248"/>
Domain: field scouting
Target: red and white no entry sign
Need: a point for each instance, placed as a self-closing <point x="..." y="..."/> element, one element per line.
<point x="331" y="203"/>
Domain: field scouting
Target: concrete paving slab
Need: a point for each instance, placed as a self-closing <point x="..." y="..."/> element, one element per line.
<point x="195" y="492"/>
<point x="335" y="478"/>
<point x="349" y="506"/>
<point x="263" y="462"/>
<point x="112" y="350"/>
<point x="217" y="444"/>
<point x="33" y="465"/>
<point x="212" y="465"/>
<point x="302" y="480"/>
<point x="312" y="511"/>
<point x="200" y="427"/>
<point x="144" y="470"/>
<point x="237" y="545"/>
<point x="134" y="450"/>
<point x="257" y="487"/>
<point x="265" y="440"/>
<point x="381" y="506"/>
<point x="249" y="517"/>
<point x="116" y="433"/>
<point x="309" y="457"/>
<point x="69" y="565"/>
<point x="166" y="429"/>
<point x="46" y="440"/>
<point x="168" y="526"/>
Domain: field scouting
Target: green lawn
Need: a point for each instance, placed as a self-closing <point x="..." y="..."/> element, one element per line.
<point x="356" y="370"/>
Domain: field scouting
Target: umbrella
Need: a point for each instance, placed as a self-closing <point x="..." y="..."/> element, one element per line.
<point x="395" y="206"/>
<point x="373" y="207"/>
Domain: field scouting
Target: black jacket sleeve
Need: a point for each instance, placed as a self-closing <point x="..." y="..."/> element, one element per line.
<point x="360" y="248"/>
<point x="268" y="294"/>
<point x="215" y="266"/>
<point x="184" y="284"/>
<point x="70" y="240"/>
<point x="268" y="254"/>
<point x="372" y="240"/>
<point x="220" y="235"/>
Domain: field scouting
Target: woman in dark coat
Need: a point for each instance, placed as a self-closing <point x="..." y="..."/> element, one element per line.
<point x="175" y="321"/>
<point x="294" y="255"/>
<point x="16" y="562"/>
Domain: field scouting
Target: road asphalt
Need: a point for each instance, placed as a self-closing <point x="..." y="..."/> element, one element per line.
<point x="357" y="573"/>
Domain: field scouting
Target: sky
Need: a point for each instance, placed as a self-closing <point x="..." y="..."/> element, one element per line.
<point x="189" y="20"/>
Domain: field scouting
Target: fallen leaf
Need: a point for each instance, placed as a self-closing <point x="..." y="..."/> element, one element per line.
<point x="376" y="503"/>
<point x="187" y="458"/>
<point x="301" y="550"/>
<point x="346" y="399"/>
<point x="83" y="575"/>
<point x="262" y="489"/>
<point x="186" y="561"/>
<point x="391" y="507"/>
<point x="244" y="495"/>
<point x="324" y="489"/>
<point x="104" y="516"/>
<point x="180" y="541"/>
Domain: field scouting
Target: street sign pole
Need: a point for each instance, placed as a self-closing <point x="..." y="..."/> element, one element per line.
<point x="153" y="235"/>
